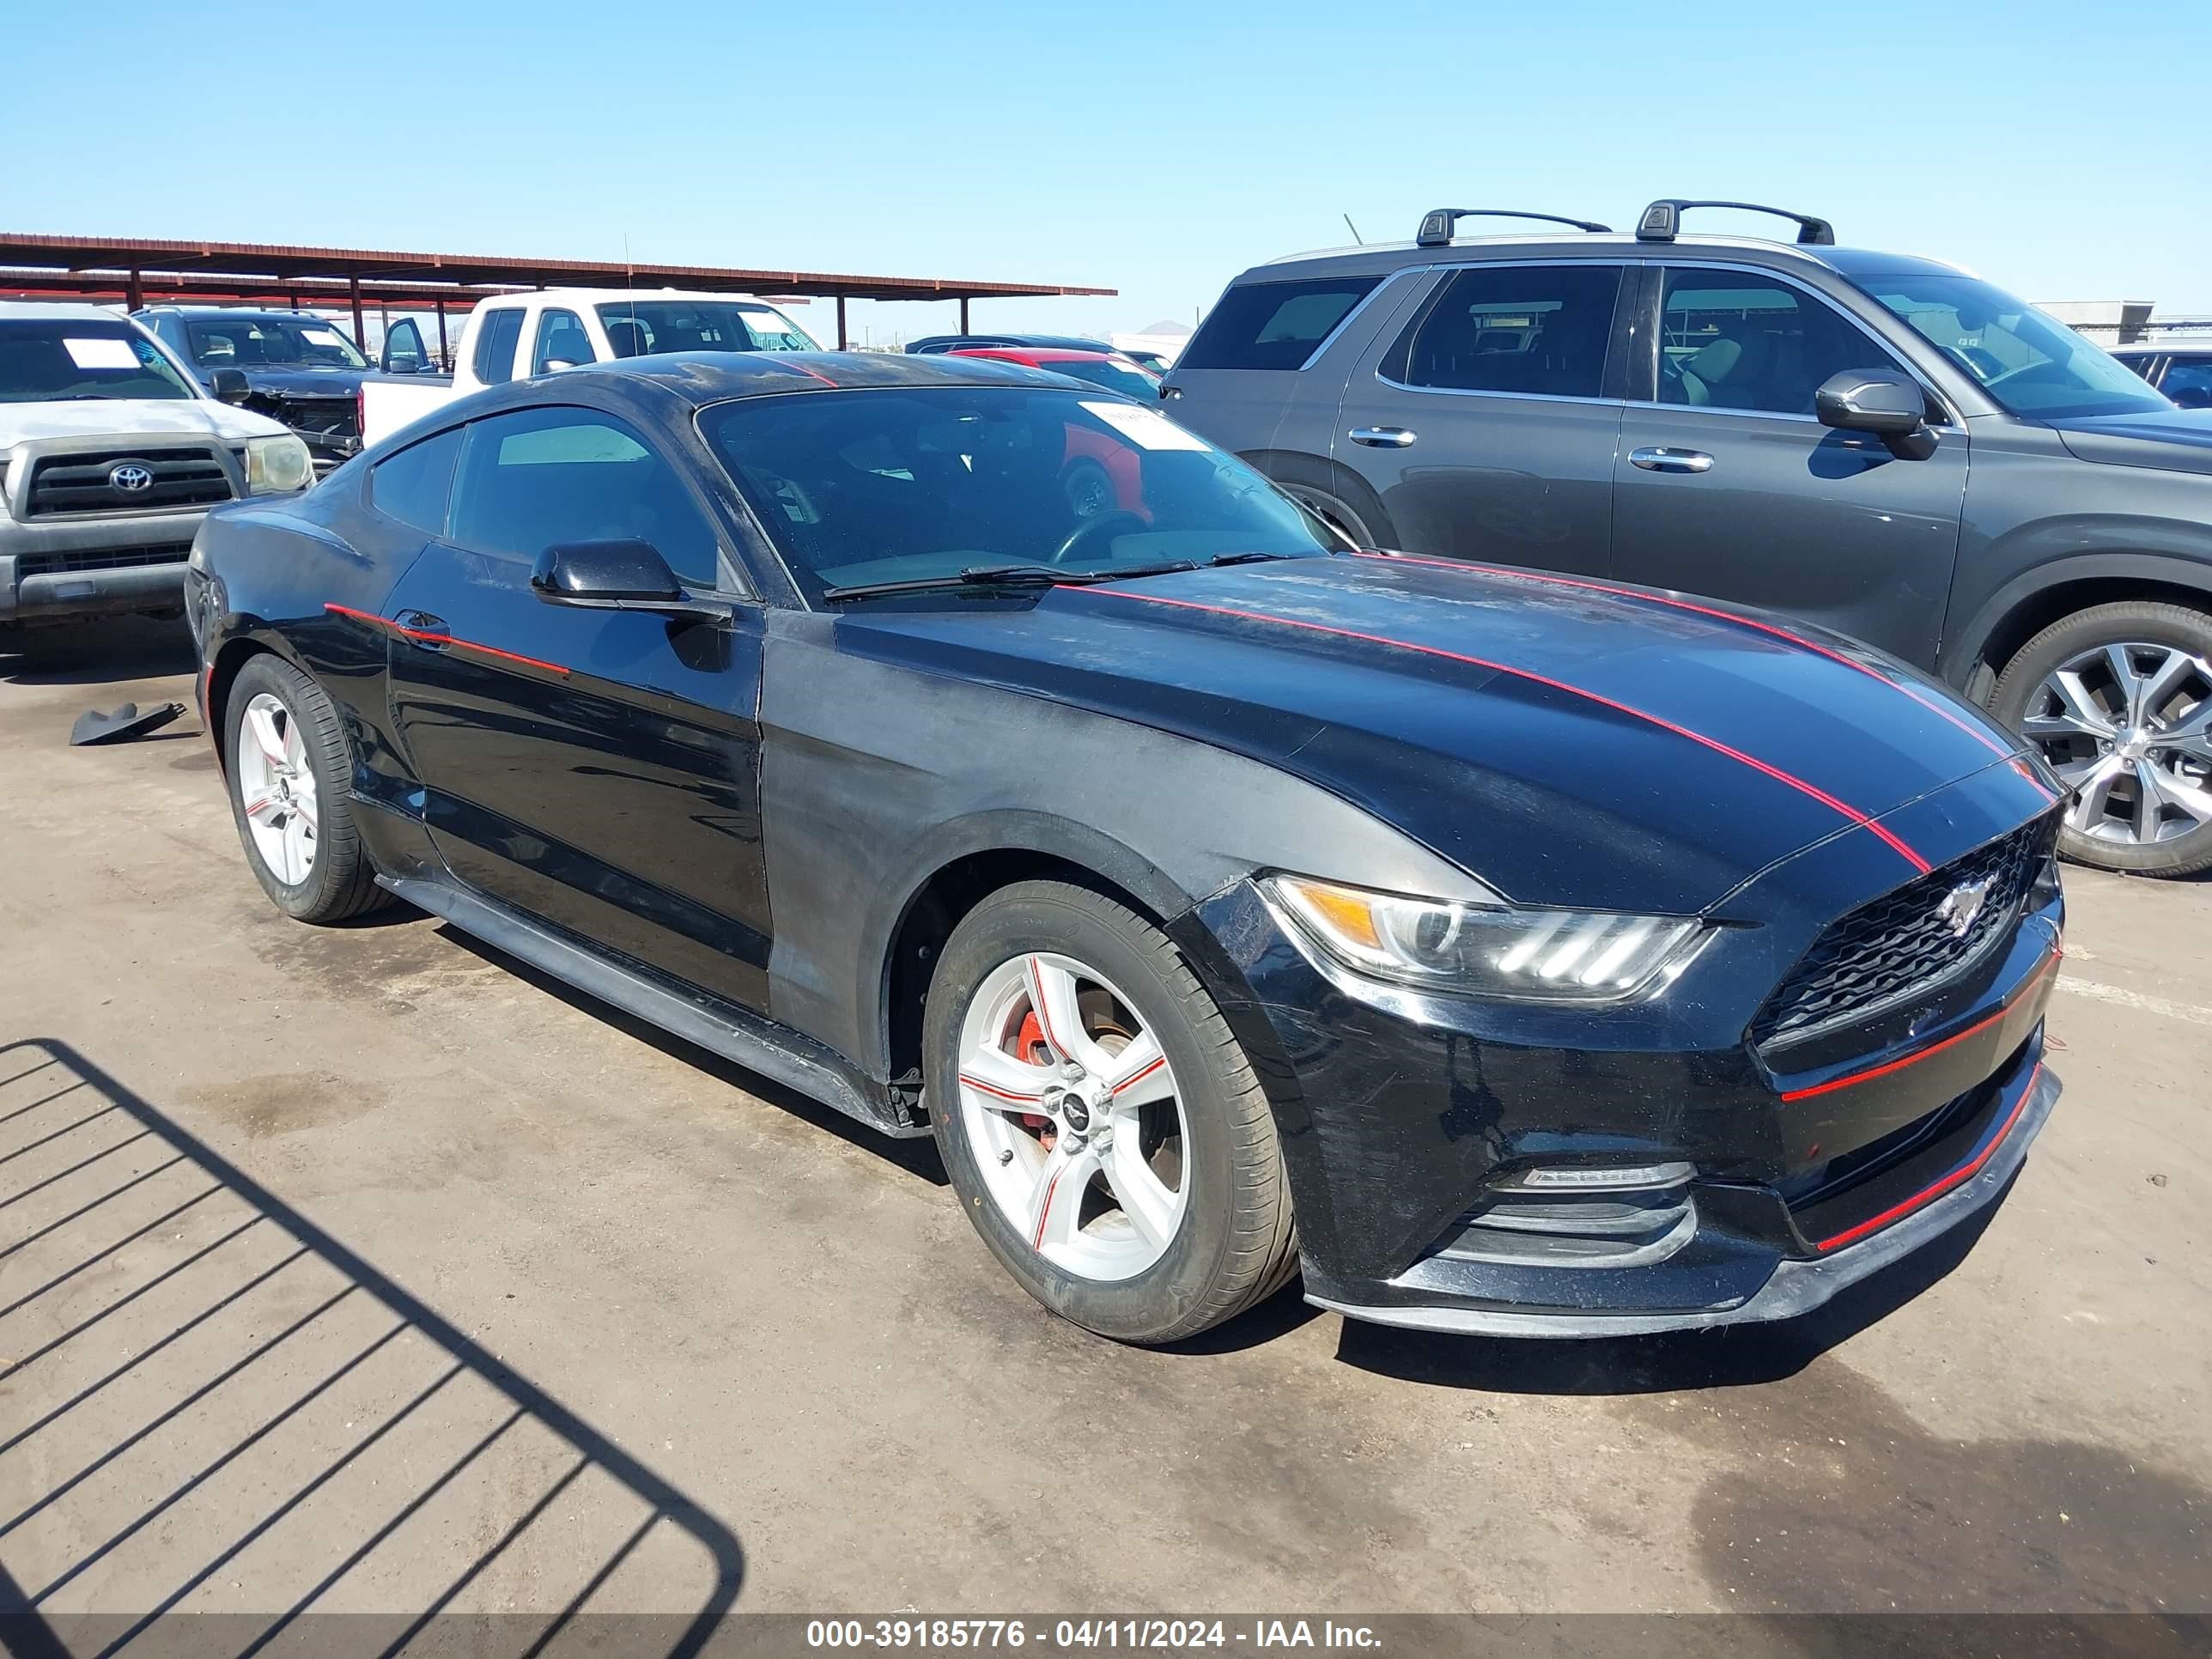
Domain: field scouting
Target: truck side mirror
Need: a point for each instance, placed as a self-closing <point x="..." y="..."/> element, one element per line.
<point x="230" y="385"/>
<point x="1888" y="405"/>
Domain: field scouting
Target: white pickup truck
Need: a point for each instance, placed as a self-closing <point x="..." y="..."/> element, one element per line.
<point x="518" y="336"/>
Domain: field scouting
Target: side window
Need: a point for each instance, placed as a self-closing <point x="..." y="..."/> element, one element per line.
<point x="1738" y="340"/>
<point x="403" y="346"/>
<point x="2189" y="384"/>
<point x="560" y="339"/>
<point x="1274" y="325"/>
<point x="494" y="354"/>
<point x="171" y="330"/>
<point x="411" y="486"/>
<point x="1515" y="328"/>
<point x="537" y="477"/>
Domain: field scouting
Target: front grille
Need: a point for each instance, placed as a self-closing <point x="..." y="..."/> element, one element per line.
<point x="123" y="558"/>
<point x="82" y="483"/>
<point x="1903" y="944"/>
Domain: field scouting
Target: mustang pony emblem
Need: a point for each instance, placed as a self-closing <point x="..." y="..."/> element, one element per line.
<point x="1962" y="904"/>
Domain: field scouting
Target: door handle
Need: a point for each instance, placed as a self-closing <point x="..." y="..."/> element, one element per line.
<point x="425" y="629"/>
<point x="1381" y="437"/>
<point x="1671" y="460"/>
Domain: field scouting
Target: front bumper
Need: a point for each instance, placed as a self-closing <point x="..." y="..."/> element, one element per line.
<point x="50" y="572"/>
<point x="1416" y="1127"/>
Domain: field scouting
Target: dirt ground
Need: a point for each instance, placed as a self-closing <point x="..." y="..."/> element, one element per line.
<point x="355" y="1269"/>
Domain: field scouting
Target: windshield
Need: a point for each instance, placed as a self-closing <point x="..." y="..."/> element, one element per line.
<point x="271" y="341"/>
<point x="47" y="361"/>
<point x="2033" y="364"/>
<point x="898" y="485"/>
<point x="635" y="327"/>
<point x="1123" y="378"/>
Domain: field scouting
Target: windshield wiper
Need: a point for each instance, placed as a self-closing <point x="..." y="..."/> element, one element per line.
<point x="999" y="575"/>
<point x="1247" y="558"/>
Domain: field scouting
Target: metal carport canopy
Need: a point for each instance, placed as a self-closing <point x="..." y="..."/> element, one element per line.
<point x="133" y="272"/>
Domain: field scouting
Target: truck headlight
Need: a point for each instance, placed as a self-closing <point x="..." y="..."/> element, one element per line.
<point x="274" y="465"/>
<point x="1488" y="949"/>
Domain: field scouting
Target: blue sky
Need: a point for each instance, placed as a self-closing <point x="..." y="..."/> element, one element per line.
<point x="1152" y="148"/>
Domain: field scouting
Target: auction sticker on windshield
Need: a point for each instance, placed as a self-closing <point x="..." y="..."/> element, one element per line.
<point x="100" y="354"/>
<point x="1145" y="428"/>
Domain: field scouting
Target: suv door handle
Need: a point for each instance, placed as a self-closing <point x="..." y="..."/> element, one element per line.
<point x="1381" y="437"/>
<point x="1671" y="460"/>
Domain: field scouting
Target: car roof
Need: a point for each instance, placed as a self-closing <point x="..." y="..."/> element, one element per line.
<point x="59" y="311"/>
<point x="1376" y="259"/>
<point x="601" y="296"/>
<point x="1033" y="354"/>
<point x="242" y="312"/>
<point x="700" y="378"/>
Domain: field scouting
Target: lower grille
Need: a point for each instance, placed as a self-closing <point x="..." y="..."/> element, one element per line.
<point x="321" y="418"/>
<point x="121" y="558"/>
<point x="83" y="484"/>
<point x="1592" y="1230"/>
<point x="1907" y="942"/>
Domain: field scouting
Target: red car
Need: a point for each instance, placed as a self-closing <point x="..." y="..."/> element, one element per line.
<point x="1096" y="475"/>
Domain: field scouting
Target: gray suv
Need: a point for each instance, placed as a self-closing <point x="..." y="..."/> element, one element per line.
<point x="1880" y="443"/>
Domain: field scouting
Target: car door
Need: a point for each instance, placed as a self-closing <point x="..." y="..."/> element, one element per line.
<point x="2188" y="379"/>
<point x="597" y="769"/>
<point x="1484" y="427"/>
<point x="562" y="342"/>
<point x="1728" y="485"/>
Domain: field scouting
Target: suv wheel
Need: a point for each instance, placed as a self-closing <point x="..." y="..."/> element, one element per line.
<point x="1103" y="1127"/>
<point x="2119" y="699"/>
<point x="290" y="769"/>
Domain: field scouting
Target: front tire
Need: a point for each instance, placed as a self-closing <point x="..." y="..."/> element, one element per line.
<point x="2119" y="698"/>
<point x="1105" y="1131"/>
<point x="290" y="769"/>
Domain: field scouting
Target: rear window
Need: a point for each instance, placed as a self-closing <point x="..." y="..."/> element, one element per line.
<point x="411" y="486"/>
<point x="1274" y="325"/>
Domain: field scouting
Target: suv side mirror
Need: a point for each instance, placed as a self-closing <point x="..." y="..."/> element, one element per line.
<point x="615" y="575"/>
<point x="229" y="386"/>
<point x="1881" y="401"/>
<point x="401" y="362"/>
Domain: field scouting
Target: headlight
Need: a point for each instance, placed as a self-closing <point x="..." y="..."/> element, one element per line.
<point x="1489" y="950"/>
<point x="276" y="464"/>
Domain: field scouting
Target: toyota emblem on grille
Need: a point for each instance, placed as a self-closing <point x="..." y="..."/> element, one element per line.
<point x="130" y="475"/>
<point x="1962" y="904"/>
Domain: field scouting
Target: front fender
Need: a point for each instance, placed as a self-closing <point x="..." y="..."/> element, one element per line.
<point x="2051" y="556"/>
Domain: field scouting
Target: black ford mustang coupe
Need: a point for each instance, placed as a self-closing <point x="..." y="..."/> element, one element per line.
<point x="989" y="758"/>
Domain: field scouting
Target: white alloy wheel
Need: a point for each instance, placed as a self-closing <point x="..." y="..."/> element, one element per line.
<point x="276" y="788"/>
<point x="1074" y="1118"/>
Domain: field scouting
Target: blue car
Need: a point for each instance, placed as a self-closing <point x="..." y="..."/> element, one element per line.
<point x="1502" y="952"/>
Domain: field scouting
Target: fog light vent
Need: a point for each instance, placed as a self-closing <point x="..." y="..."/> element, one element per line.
<point x="1580" y="1217"/>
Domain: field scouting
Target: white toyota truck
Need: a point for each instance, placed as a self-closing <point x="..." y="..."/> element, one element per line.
<point x="518" y="336"/>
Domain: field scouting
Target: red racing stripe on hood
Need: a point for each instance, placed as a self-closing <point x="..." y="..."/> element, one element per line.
<point x="1862" y="819"/>
<point x="1513" y="574"/>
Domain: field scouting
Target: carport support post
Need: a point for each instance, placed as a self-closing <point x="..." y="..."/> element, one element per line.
<point x="135" y="294"/>
<point x="445" y="356"/>
<point x="840" y="322"/>
<point x="964" y="314"/>
<point x="353" y="289"/>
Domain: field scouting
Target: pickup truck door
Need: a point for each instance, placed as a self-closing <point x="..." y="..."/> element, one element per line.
<point x="600" y="770"/>
<point x="1727" y="485"/>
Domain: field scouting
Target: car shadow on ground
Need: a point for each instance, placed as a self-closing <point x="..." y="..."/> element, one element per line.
<point x="1723" y="1357"/>
<point x="97" y="653"/>
<point x="916" y="1156"/>
<point x="223" y="1422"/>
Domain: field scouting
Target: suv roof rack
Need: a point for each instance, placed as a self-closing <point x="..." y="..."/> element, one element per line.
<point x="1438" y="223"/>
<point x="1663" y="221"/>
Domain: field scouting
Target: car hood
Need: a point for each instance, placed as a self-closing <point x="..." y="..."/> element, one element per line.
<point x="1568" y="744"/>
<point x="2171" y="439"/>
<point x="95" y="417"/>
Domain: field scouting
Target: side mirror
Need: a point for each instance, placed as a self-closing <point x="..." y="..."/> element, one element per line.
<point x="230" y="385"/>
<point x="405" y="363"/>
<point x="615" y="575"/>
<point x="1881" y="401"/>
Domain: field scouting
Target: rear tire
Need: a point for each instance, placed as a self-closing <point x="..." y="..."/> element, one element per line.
<point x="2136" y="795"/>
<point x="297" y="825"/>
<point x="1231" y="1242"/>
